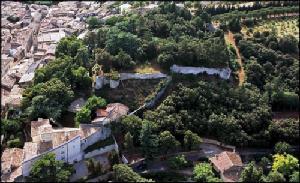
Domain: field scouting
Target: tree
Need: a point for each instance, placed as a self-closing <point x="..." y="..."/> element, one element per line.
<point x="286" y="130"/>
<point x="95" y="102"/>
<point x="274" y="176"/>
<point x="285" y="164"/>
<point x="128" y="141"/>
<point x="288" y="44"/>
<point x="117" y="39"/>
<point x="294" y="177"/>
<point x="251" y="173"/>
<point x="149" y="140"/>
<point x="165" y="60"/>
<point x="104" y="58"/>
<point x="124" y="173"/>
<point x="113" y="158"/>
<point x="203" y="172"/>
<point x="123" y="61"/>
<point x="282" y="147"/>
<point x="81" y="78"/>
<point x="167" y="142"/>
<point x="131" y="124"/>
<point x="234" y="25"/>
<point x="94" y="167"/>
<point x="47" y="169"/>
<point x="47" y="99"/>
<point x="191" y="140"/>
<point x="68" y="46"/>
<point x="83" y="116"/>
<point x="177" y="162"/>
<point x="265" y="163"/>
<point x="255" y="74"/>
<point x="93" y="22"/>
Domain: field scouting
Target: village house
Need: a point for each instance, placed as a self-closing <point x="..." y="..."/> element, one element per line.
<point x="12" y="98"/>
<point x="112" y="112"/>
<point x="229" y="165"/>
<point x="11" y="161"/>
<point x="68" y="144"/>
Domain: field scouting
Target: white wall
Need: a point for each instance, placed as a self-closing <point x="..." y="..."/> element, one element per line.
<point x="126" y="76"/>
<point x="68" y="152"/>
<point x="101" y="151"/>
<point x="103" y="133"/>
<point x="222" y="72"/>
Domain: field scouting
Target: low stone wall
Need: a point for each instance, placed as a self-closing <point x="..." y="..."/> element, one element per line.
<point x="224" y="73"/>
<point x="159" y="94"/>
<point x="101" y="80"/>
<point x="126" y="76"/>
<point x="101" y="151"/>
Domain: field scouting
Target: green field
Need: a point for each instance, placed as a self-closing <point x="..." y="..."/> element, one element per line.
<point x="280" y="27"/>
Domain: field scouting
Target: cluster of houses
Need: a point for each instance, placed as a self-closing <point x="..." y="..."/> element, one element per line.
<point x="68" y="144"/>
<point x="29" y="42"/>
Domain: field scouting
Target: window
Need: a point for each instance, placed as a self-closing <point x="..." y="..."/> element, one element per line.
<point x="62" y="152"/>
<point x="63" y="158"/>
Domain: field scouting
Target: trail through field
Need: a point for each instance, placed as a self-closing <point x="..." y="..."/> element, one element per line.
<point x="229" y="39"/>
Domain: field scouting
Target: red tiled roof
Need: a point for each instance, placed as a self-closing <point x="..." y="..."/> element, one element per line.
<point x="226" y="160"/>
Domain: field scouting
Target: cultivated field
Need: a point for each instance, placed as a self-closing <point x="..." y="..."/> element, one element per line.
<point x="280" y="27"/>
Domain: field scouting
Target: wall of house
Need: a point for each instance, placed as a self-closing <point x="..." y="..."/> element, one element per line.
<point x="103" y="133"/>
<point x="68" y="152"/>
<point x="223" y="73"/>
<point x="101" y="151"/>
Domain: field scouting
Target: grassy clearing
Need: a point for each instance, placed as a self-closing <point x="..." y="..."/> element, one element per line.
<point x="281" y="27"/>
<point x="146" y="69"/>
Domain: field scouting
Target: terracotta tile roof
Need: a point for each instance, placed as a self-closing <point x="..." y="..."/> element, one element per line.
<point x="11" y="162"/>
<point x="30" y="150"/>
<point x="226" y="160"/>
<point x="60" y="137"/>
<point x="116" y="110"/>
<point x="86" y="130"/>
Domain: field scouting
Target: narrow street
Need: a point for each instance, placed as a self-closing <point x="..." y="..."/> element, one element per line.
<point x="230" y="39"/>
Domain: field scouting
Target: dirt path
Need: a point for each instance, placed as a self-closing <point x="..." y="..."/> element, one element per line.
<point x="229" y="39"/>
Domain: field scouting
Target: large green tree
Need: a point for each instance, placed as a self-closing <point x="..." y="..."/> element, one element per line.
<point x="167" y="142"/>
<point x="47" y="99"/>
<point x="251" y="173"/>
<point x="47" y="169"/>
<point x="149" y="140"/>
<point x="191" y="140"/>
<point x="203" y="172"/>
<point x="124" y="173"/>
<point x="285" y="164"/>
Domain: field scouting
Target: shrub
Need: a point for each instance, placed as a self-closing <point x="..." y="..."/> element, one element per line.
<point x="14" y="143"/>
<point x="178" y="162"/>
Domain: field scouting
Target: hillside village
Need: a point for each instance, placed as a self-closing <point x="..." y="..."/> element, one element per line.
<point x="149" y="91"/>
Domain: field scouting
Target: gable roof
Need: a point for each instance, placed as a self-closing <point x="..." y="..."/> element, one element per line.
<point x="226" y="160"/>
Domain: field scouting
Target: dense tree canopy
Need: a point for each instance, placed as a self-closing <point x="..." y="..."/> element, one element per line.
<point x="124" y="173"/>
<point x="233" y="115"/>
<point x="47" y="100"/>
<point x="47" y="169"/>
